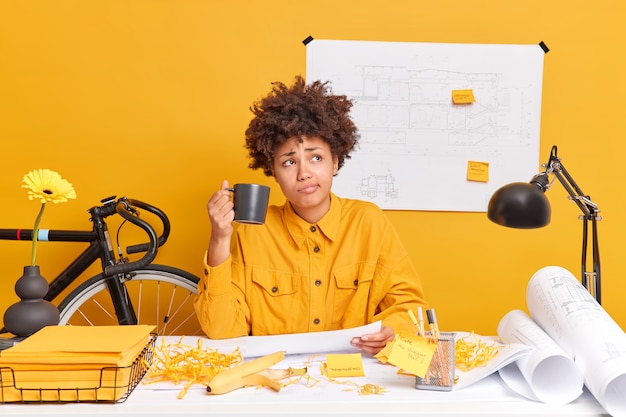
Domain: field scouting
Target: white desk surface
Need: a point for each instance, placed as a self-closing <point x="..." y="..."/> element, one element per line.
<point x="490" y="396"/>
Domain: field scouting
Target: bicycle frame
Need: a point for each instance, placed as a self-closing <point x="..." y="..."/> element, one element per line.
<point x="100" y="247"/>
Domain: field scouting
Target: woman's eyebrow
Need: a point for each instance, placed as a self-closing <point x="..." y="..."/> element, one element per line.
<point x="291" y="153"/>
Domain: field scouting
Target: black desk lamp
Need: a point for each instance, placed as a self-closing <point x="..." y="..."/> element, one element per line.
<point x="524" y="206"/>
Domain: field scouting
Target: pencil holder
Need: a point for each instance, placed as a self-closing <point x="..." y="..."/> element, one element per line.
<point x="440" y="374"/>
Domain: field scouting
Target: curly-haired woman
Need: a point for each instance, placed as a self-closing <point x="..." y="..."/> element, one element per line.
<point x="320" y="262"/>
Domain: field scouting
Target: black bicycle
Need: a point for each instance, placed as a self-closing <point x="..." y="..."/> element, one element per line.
<point x="125" y="292"/>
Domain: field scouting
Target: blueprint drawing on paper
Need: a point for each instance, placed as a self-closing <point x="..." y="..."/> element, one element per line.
<point x="415" y="143"/>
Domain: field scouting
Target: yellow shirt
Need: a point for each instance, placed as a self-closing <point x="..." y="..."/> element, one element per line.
<point x="289" y="276"/>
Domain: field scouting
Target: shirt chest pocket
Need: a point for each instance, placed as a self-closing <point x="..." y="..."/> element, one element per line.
<point x="274" y="302"/>
<point x="351" y="292"/>
<point x="353" y="276"/>
<point x="274" y="284"/>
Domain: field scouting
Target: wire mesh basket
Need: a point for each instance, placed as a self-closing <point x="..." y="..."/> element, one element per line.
<point x="109" y="384"/>
<point x="440" y="374"/>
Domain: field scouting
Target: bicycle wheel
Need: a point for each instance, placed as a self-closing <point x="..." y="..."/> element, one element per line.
<point x="161" y="295"/>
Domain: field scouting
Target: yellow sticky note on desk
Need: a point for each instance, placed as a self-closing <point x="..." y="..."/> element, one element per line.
<point x="477" y="171"/>
<point x="412" y="353"/>
<point x="463" y="96"/>
<point x="344" y="364"/>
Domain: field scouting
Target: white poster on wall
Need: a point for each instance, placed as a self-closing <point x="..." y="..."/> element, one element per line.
<point x="442" y="126"/>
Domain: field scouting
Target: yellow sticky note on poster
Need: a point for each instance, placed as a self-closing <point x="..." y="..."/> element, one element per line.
<point x="344" y="364"/>
<point x="477" y="171"/>
<point x="412" y="353"/>
<point x="463" y="96"/>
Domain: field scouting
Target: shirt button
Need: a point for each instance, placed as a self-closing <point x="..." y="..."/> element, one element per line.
<point x="316" y="321"/>
<point x="313" y="229"/>
<point x="274" y="289"/>
<point x="356" y="282"/>
<point x="318" y="283"/>
<point x="316" y="249"/>
<point x="206" y="271"/>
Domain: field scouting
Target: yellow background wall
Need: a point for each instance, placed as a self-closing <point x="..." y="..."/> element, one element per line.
<point x="149" y="99"/>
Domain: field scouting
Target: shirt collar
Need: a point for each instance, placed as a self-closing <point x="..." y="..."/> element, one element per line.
<point x="328" y="225"/>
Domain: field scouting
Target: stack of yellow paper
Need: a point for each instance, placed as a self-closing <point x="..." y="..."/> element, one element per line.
<point x="72" y="363"/>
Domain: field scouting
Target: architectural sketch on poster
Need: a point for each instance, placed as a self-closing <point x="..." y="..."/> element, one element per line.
<point x="416" y="145"/>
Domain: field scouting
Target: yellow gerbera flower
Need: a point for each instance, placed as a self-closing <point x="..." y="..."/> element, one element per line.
<point x="48" y="186"/>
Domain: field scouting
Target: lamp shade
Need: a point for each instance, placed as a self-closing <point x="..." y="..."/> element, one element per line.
<point x="520" y="205"/>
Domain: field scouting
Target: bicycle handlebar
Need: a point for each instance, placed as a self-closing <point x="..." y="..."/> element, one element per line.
<point x="143" y="247"/>
<point x="125" y="207"/>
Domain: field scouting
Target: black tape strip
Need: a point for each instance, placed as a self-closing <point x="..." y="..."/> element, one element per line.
<point x="544" y="47"/>
<point x="307" y="40"/>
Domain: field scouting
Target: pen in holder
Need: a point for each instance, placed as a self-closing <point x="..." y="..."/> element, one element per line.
<point x="440" y="374"/>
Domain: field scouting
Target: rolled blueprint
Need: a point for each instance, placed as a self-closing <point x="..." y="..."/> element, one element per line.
<point x="568" y="313"/>
<point x="548" y="374"/>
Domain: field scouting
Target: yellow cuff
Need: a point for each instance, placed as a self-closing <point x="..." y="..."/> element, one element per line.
<point x="220" y="275"/>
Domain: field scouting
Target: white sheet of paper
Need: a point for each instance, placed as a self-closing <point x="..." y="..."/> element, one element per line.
<point x="409" y="127"/>
<point x="314" y="342"/>
<point x="255" y="346"/>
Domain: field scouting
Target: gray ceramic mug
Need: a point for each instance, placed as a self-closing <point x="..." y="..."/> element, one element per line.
<point x="250" y="202"/>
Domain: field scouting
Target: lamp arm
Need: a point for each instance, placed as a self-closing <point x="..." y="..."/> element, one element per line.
<point x="584" y="203"/>
<point x="597" y="289"/>
<point x="589" y="279"/>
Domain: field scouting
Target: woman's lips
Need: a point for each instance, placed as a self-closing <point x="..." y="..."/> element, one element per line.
<point x="308" y="189"/>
